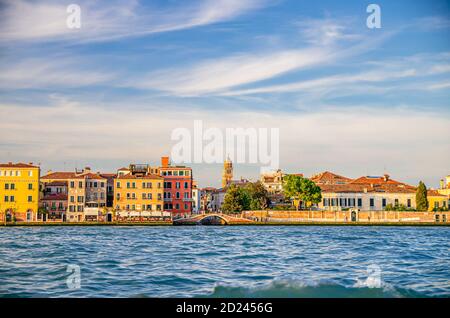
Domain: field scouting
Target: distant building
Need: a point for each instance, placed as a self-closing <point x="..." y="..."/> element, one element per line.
<point x="436" y="200"/>
<point x="177" y="188"/>
<point x="366" y="193"/>
<point x="138" y="191"/>
<point x="19" y="191"/>
<point x="195" y="198"/>
<point x="227" y="174"/>
<point x="86" y="193"/>
<point x="54" y="201"/>
<point x="273" y="183"/>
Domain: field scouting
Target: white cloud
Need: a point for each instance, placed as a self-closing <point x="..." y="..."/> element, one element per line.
<point x="219" y="74"/>
<point x="107" y="20"/>
<point x="59" y="71"/>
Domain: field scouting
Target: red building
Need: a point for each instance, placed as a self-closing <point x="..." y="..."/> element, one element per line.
<point x="177" y="188"/>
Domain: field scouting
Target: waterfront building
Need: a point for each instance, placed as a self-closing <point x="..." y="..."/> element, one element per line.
<point x="195" y="198"/>
<point x="19" y="191"/>
<point x="53" y="201"/>
<point x="138" y="191"/>
<point x="437" y="201"/>
<point x="177" y="188"/>
<point x="109" y="188"/>
<point x="206" y="199"/>
<point x="366" y="193"/>
<point x="86" y="193"/>
<point x="227" y="173"/>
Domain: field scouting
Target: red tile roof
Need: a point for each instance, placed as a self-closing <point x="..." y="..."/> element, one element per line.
<point x="327" y="177"/>
<point x="17" y="165"/>
<point x="59" y="175"/>
<point x="434" y="193"/>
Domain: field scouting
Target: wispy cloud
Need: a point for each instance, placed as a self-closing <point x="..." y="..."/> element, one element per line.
<point x="219" y="74"/>
<point x="108" y="20"/>
<point x="59" y="71"/>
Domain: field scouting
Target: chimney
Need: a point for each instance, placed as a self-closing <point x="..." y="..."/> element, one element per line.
<point x="442" y="184"/>
<point x="386" y="177"/>
<point x="164" y="162"/>
<point x="87" y="169"/>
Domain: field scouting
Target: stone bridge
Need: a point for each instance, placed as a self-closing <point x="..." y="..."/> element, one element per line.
<point x="212" y="219"/>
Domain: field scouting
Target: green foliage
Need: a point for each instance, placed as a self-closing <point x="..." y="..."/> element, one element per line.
<point x="236" y="200"/>
<point x="259" y="198"/>
<point x="299" y="188"/>
<point x="421" y="197"/>
<point x="252" y="196"/>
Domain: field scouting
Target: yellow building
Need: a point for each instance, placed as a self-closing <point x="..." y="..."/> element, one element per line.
<point x="138" y="192"/>
<point x="19" y="192"/>
<point x="436" y="200"/>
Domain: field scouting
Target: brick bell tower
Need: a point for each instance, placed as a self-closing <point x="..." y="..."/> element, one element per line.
<point x="227" y="174"/>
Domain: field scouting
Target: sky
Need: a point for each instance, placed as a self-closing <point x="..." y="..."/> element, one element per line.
<point x="346" y="98"/>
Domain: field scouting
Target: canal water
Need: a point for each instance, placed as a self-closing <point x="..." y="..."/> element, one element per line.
<point x="228" y="261"/>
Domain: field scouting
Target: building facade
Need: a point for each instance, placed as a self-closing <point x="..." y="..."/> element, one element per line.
<point x="138" y="192"/>
<point x="86" y="193"/>
<point x="365" y="194"/>
<point x="177" y="188"/>
<point x="19" y="192"/>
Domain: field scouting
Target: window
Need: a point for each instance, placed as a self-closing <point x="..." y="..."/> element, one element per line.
<point x="186" y="185"/>
<point x="80" y="184"/>
<point x="359" y="202"/>
<point x="6" y="186"/>
<point x="181" y="173"/>
<point x="30" y="198"/>
<point x="95" y="184"/>
<point x="118" y="196"/>
<point x="325" y="202"/>
<point x="396" y="202"/>
<point x="128" y="185"/>
<point x="159" y="196"/>
<point x="133" y="185"/>
<point x="177" y="185"/>
<point x="178" y="195"/>
<point x="11" y="198"/>
<point x="118" y="185"/>
<point x="186" y="206"/>
<point x="409" y="203"/>
<point x="72" y="199"/>
<point x="102" y="184"/>
<point x="6" y="198"/>
<point x="30" y="173"/>
<point x="72" y="184"/>
<point x="144" y="196"/>
<point x="436" y="204"/>
<point x="158" y="207"/>
<point x="149" y="196"/>
<point x="186" y="195"/>
<point x="30" y="186"/>
<point x="12" y="186"/>
<point x="177" y="206"/>
<point x="383" y="202"/>
<point x="372" y="202"/>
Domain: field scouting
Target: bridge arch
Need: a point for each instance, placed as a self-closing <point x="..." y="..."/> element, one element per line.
<point x="213" y="219"/>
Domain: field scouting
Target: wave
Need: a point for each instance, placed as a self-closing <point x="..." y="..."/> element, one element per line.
<point x="299" y="289"/>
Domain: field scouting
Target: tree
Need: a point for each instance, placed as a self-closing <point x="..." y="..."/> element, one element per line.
<point x="259" y="197"/>
<point x="421" y="197"/>
<point x="236" y="200"/>
<point x="299" y="188"/>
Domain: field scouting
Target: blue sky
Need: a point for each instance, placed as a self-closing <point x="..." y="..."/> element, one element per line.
<point x="346" y="98"/>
